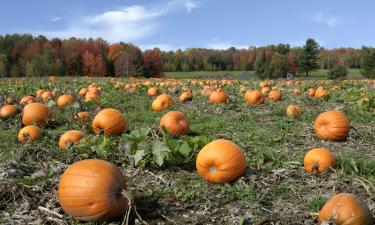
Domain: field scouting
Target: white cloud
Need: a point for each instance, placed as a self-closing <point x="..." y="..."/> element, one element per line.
<point x="55" y="19"/>
<point x="126" y="24"/>
<point x="163" y="47"/>
<point x="324" y="18"/>
<point x="224" y="45"/>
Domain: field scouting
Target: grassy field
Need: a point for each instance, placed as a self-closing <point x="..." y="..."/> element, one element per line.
<point x="274" y="190"/>
<point x="248" y="75"/>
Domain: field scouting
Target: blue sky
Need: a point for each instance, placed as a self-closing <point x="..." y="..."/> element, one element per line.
<point x="172" y="24"/>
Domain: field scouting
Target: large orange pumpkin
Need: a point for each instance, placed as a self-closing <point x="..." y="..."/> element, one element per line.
<point x="218" y="97"/>
<point x="8" y="111"/>
<point x="36" y="113"/>
<point x="221" y="161"/>
<point x="293" y="111"/>
<point x="65" y="100"/>
<point x="70" y="137"/>
<point x="162" y="102"/>
<point x="254" y="97"/>
<point x="319" y="159"/>
<point x="28" y="134"/>
<point x="275" y="95"/>
<point x="332" y="125"/>
<point x="346" y="209"/>
<point x="109" y="121"/>
<point x="92" y="190"/>
<point x="175" y="123"/>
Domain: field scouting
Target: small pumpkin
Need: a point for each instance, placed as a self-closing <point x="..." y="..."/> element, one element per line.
<point x="297" y="91"/>
<point x="332" y="125"/>
<point x="93" y="190"/>
<point x="275" y="95"/>
<point x="265" y="90"/>
<point x="9" y="101"/>
<point x="153" y="91"/>
<point x="346" y="209"/>
<point x="83" y="115"/>
<point x="70" y="137"/>
<point x="109" y="121"/>
<point x="83" y="91"/>
<point x="218" y="97"/>
<point x="175" y="123"/>
<point x="264" y="84"/>
<point x="27" y="99"/>
<point x="36" y="113"/>
<point x="39" y="93"/>
<point x="293" y="111"/>
<point x="311" y="92"/>
<point x="91" y="96"/>
<point x="321" y="92"/>
<point x="318" y="160"/>
<point x="221" y="161"/>
<point x="8" y="111"/>
<point x="47" y="95"/>
<point x="162" y="102"/>
<point x="186" y="96"/>
<point x="65" y="100"/>
<point x="254" y="97"/>
<point x="28" y="134"/>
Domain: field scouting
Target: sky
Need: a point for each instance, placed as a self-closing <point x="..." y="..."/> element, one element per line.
<point x="217" y="24"/>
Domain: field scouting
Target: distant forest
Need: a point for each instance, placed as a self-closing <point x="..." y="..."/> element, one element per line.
<point x="26" y="55"/>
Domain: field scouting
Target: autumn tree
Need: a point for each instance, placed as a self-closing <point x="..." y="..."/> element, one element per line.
<point x="3" y="65"/>
<point x="152" y="63"/>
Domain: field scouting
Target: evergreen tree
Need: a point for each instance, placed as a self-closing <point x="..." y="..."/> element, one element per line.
<point x="368" y="62"/>
<point x="308" y="59"/>
<point x="3" y="65"/>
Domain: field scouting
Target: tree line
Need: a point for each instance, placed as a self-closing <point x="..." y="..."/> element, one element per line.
<point x="26" y="55"/>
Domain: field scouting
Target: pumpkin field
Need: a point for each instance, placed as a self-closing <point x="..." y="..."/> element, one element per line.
<point x="83" y="150"/>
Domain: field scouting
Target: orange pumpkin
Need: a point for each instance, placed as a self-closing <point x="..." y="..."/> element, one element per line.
<point x="162" y="102"/>
<point x="336" y="88"/>
<point x="28" y="134"/>
<point x="293" y="111"/>
<point x="36" y="113"/>
<point x="70" y="137"/>
<point x="332" y="125"/>
<point x="83" y="115"/>
<point x="65" y="100"/>
<point x="83" y="91"/>
<point x="153" y="91"/>
<point x="254" y="97"/>
<point x="264" y="84"/>
<point x="39" y="93"/>
<point x="47" y="95"/>
<point x="321" y="92"/>
<point x="218" y="97"/>
<point x="311" y="92"/>
<point x="27" y="99"/>
<point x="175" y="123"/>
<point x="8" y="111"/>
<point x="92" y="190"/>
<point x="346" y="209"/>
<point x="265" y="90"/>
<point x="9" y="101"/>
<point x="221" y="161"/>
<point x="91" y="96"/>
<point x="318" y="160"/>
<point x="186" y="96"/>
<point x="297" y="91"/>
<point x="109" y="121"/>
<point x="289" y="83"/>
<point x="275" y="95"/>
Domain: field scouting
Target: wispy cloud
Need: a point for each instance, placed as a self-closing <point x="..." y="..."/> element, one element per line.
<point x="55" y="19"/>
<point x="129" y="23"/>
<point x="324" y="18"/>
<point x="224" y="45"/>
<point x="163" y="47"/>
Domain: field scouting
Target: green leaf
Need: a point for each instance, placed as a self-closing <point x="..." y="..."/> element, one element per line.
<point x="160" y="152"/>
<point x="185" y="149"/>
<point x="51" y="103"/>
<point x="138" y="156"/>
<point x="138" y="135"/>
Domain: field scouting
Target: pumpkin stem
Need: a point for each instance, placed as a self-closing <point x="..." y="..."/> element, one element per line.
<point x="315" y="167"/>
<point x="131" y="206"/>
<point x="27" y="137"/>
<point x="212" y="170"/>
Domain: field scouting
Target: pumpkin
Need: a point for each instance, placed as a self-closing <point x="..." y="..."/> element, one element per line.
<point x="175" y="123"/>
<point x="186" y="96"/>
<point x="153" y="91"/>
<point x="39" y="93"/>
<point x="8" y="111"/>
<point x="275" y="95"/>
<point x="109" y="121"/>
<point x="297" y="91"/>
<point x="65" y="100"/>
<point x="265" y="90"/>
<point x="346" y="209"/>
<point x="28" y="134"/>
<point x="218" y="97"/>
<point x="289" y="83"/>
<point x="27" y="99"/>
<point x="332" y="125"/>
<point x="311" y="92"/>
<point x="9" y="101"/>
<point x="47" y="95"/>
<point x="336" y="88"/>
<point x="293" y="111"/>
<point x="92" y="190"/>
<point x="83" y="91"/>
<point x="243" y="89"/>
<point x="254" y="97"/>
<point x="83" y="115"/>
<point x="70" y="137"/>
<point x="221" y="161"/>
<point x="321" y="92"/>
<point x="319" y="159"/>
<point x="264" y="84"/>
<point x="36" y="113"/>
<point x="274" y="88"/>
<point x="91" y="96"/>
<point x="162" y="102"/>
